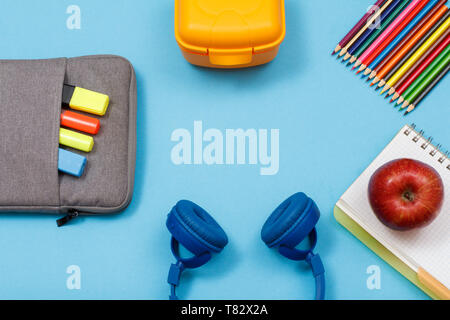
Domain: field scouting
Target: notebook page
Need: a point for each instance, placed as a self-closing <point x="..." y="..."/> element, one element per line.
<point x="428" y="247"/>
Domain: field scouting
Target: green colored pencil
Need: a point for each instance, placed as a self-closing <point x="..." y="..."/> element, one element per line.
<point x="377" y="32"/>
<point x="427" y="77"/>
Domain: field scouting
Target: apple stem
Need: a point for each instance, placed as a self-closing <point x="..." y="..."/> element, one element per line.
<point x="408" y="196"/>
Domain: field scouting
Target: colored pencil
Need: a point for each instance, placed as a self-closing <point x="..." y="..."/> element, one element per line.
<point x="412" y="74"/>
<point x="379" y="31"/>
<point x="403" y="38"/>
<point x="393" y="65"/>
<point x="430" y="87"/>
<point x="420" y="51"/>
<point x="367" y="25"/>
<point x="390" y="33"/>
<point x="427" y="77"/>
<point x="371" y="30"/>
<point x="357" y="27"/>
<point x="403" y="46"/>
<point x="391" y="91"/>
<point x="414" y="67"/>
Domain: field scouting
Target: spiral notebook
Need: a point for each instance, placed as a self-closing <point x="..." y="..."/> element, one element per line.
<point x="422" y="255"/>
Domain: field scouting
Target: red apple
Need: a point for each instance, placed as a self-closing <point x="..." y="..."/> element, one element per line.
<point x="406" y="194"/>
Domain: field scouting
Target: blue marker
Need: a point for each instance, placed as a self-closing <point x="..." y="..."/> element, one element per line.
<point x="400" y="37"/>
<point x="369" y="31"/>
<point x="71" y="163"/>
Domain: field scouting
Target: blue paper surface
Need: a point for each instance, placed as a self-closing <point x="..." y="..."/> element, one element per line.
<point x="331" y="126"/>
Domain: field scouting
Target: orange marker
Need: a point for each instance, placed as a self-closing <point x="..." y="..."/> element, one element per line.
<point x="80" y="122"/>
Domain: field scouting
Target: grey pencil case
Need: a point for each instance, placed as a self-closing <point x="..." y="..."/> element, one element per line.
<point x="30" y="109"/>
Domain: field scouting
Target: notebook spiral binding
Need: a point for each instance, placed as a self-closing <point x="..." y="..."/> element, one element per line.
<point x="444" y="156"/>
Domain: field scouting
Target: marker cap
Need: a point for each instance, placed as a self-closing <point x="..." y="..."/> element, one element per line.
<point x="80" y="122"/>
<point x="76" y="140"/>
<point x="71" y="163"/>
<point x="85" y="100"/>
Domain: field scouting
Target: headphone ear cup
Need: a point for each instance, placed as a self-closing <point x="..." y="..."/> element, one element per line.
<point x="195" y="228"/>
<point x="291" y="222"/>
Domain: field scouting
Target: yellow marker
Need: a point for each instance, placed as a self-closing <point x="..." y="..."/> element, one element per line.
<point x="76" y="140"/>
<point x="85" y="100"/>
<point x="416" y="56"/>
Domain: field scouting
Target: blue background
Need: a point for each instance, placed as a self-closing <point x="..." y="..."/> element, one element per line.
<point x="331" y="127"/>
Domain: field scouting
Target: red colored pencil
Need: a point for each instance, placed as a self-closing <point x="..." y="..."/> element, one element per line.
<point x="357" y="27"/>
<point x="422" y="67"/>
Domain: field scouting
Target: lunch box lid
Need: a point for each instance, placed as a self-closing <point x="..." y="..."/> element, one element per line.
<point x="229" y="27"/>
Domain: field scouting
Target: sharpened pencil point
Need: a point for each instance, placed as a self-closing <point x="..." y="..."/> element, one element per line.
<point x="336" y="50"/>
<point x="391" y="91"/>
<point x="399" y="101"/>
<point x="373" y="74"/>
<point x="347" y="56"/>
<point x="353" y="59"/>
<point x="410" y="109"/>
<point x="405" y="104"/>
<point x="367" y="72"/>
<point x="396" y="95"/>
<point x="343" y="51"/>
<point x="382" y="82"/>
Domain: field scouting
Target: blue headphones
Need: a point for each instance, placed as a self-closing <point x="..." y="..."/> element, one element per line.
<point x="291" y="223"/>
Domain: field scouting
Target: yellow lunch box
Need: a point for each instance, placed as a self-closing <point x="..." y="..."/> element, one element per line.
<point x="229" y="33"/>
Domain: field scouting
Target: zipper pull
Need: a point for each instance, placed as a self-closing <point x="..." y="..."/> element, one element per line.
<point x="70" y="216"/>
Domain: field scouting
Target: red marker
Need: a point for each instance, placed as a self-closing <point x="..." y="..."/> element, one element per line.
<point x="80" y="122"/>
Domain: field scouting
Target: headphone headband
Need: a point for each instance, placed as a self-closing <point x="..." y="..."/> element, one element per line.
<point x="291" y="223"/>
